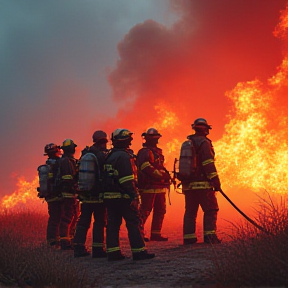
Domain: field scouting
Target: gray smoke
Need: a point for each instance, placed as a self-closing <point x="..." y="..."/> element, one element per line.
<point x="56" y="57"/>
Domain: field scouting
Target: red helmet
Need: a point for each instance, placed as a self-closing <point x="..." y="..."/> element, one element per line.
<point x="151" y="133"/>
<point x="99" y="135"/>
<point x="51" y="148"/>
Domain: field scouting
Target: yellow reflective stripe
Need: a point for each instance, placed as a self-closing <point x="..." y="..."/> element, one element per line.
<point x="190" y="236"/>
<point x="158" y="190"/>
<point x="53" y="199"/>
<point x="157" y="173"/>
<point x="64" y="238"/>
<point x="114" y="249"/>
<point x="208" y="161"/>
<point x="97" y="245"/>
<point x="199" y="185"/>
<point x="126" y="178"/>
<point x="111" y="195"/>
<point x="68" y="195"/>
<point x="137" y="250"/>
<point x="155" y="232"/>
<point x="91" y="201"/>
<point x="209" y="232"/>
<point x="212" y="175"/>
<point x="144" y="165"/>
<point x="115" y="195"/>
<point x="50" y="175"/>
<point x="67" y="177"/>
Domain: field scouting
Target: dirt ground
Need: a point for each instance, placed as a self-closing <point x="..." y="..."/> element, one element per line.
<point x="175" y="265"/>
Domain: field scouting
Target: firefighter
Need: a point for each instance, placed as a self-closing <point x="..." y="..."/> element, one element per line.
<point x="122" y="198"/>
<point x="153" y="183"/>
<point x="68" y="173"/>
<point x="52" y="198"/>
<point x="201" y="189"/>
<point x="92" y="203"/>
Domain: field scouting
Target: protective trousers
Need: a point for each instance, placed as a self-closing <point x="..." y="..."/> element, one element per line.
<point x="76" y="214"/>
<point x="60" y="216"/>
<point x="98" y="211"/>
<point x="207" y="200"/>
<point x="54" y="218"/>
<point x="116" y="209"/>
<point x="68" y="210"/>
<point x="157" y="202"/>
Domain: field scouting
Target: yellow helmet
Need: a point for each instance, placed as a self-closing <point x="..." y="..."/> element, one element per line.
<point x="121" y="134"/>
<point x="68" y="143"/>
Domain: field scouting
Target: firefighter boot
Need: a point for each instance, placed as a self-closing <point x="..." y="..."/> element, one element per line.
<point x="190" y="241"/>
<point x="212" y="239"/>
<point x="53" y="244"/>
<point x="158" y="237"/>
<point x="143" y="255"/>
<point x="98" y="252"/>
<point x="115" y="256"/>
<point x="146" y="239"/>
<point x="66" y="245"/>
<point x="80" y="251"/>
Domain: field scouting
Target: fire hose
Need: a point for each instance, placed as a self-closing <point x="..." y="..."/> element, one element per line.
<point x="243" y="214"/>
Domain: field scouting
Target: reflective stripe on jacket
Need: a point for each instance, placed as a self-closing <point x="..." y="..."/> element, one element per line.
<point x="151" y="171"/>
<point x="120" y="175"/>
<point x="206" y="169"/>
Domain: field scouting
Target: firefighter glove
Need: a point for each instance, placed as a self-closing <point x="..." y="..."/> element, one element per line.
<point x="165" y="175"/>
<point x="135" y="205"/>
<point x="215" y="183"/>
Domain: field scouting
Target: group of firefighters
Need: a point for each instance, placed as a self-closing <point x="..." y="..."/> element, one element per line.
<point x="128" y="187"/>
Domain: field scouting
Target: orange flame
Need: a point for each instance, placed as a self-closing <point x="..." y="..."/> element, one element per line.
<point x="252" y="153"/>
<point x="25" y="194"/>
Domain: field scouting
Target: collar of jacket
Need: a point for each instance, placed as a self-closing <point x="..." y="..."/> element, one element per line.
<point x="68" y="155"/>
<point x="153" y="148"/>
<point x="127" y="150"/>
<point x="196" y="135"/>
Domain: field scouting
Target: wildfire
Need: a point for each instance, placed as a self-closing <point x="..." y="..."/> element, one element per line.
<point x="252" y="153"/>
<point x="25" y="194"/>
<point x="167" y="119"/>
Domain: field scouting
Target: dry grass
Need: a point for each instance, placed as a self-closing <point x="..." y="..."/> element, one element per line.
<point x="25" y="258"/>
<point x="253" y="257"/>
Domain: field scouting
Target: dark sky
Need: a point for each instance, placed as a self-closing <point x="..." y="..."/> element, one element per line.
<point x="68" y="68"/>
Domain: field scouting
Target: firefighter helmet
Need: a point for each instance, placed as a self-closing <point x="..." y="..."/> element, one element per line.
<point x="68" y="143"/>
<point x="51" y="148"/>
<point x="99" y="135"/>
<point x="121" y="134"/>
<point x="200" y="123"/>
<point x="151" y="133"/>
